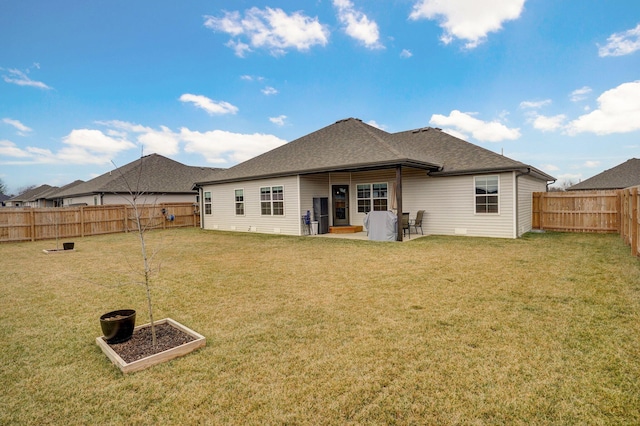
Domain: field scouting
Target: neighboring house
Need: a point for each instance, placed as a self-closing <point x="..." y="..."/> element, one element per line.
<point x="619" y="177"/>
<point x="158" y="179"/>
<point x="57" y="201"/>
<point x="354" y="167"/>
<point x="3" y="199"/>
<point x="35" y="197"/>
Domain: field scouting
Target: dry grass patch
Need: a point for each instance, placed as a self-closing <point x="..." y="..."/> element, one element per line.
<point x="439" y="330"/>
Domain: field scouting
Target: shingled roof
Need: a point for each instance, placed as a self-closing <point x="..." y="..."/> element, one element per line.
<point x="350" y="145"/>
<point x="33" y="194"/>
<point x="621" y="176"/>
<point x="152" y="173"/>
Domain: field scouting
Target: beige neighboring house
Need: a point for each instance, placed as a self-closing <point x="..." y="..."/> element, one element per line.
<point x="353" y="168"/>
<point x="619" y="177"/>
<point x="157" y="178"/>
<point x="35" y="197"/>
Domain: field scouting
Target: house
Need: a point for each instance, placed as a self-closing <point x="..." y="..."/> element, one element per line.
<point x="619" y="177"/>
<point x="353" y="168"/>
<point x="3" y="199"/>
<point x="34" y="197"/>
<point x="158" y="180"/>
<point x="57" y="201"/>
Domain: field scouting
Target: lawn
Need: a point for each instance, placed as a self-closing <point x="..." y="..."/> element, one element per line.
<point x="437" y="330"/>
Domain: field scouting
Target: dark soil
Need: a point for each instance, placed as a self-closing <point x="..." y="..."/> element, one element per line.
<point x="141" y="345"/>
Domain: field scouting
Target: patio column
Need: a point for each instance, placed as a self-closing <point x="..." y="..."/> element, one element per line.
<point x="399" y="202"/>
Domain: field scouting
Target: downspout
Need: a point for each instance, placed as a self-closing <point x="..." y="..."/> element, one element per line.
<point x="399" y="229"/>
<point x="201" y="206"/>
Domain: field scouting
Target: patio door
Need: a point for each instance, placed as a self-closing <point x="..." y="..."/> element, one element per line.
<point x="340" y="205"/>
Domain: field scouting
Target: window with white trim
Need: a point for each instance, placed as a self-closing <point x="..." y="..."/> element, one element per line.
<point x="239" y="197"/>
<point x="207" y="202"/>
<point x="372" y="196"/>
<point x="487" y="194"/>
<point x="272" y="201"/>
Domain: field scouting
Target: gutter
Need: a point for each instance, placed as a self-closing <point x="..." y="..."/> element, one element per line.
<point x="346" y="168"/>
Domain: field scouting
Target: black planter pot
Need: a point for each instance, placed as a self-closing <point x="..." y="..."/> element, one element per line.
<point x="117" y="326"/>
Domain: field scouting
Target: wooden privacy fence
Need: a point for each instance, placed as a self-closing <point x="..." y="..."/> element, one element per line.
<point x="630" y="229"/>
<point x="31" y="224"/>
<point x="577" y="211"/>
<point x="613" y="211"/>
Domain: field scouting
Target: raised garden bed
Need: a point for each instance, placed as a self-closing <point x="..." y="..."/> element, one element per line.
<point x="137" y="353"/>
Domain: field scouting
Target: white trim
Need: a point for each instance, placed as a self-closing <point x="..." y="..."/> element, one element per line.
<point x="244" y="205"/>
<point x="475" y="209"/>
<point x="515" y="197"/>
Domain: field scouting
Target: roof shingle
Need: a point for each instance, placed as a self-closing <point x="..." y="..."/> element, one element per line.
<point x="619" y="177"/>
<point x="351" y="144"/>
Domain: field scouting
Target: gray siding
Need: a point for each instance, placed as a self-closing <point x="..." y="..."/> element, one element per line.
<point x="223" y="216"/>
<point x="449" y="202"/>
<point x="526" y="187"/>
<point x="449" y="205"/>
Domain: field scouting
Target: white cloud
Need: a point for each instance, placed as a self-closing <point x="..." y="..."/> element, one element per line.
<point x="239" y="47"/>
<point x="535" y="104"/>
<point x="357" y="25"/>
<point x="163" y="141"/>
<point x="271" y="29"/>
<point x="269" y="91"/>
<point x="218" y="146"/>
<point x="10" y="149"/>
<point x="549" y="124"/>
<point x="618" y="112"/>
<point x="580" y="94"/>
<point x="620" y="44"/>
<point x="279" y="120"/>
<point x="406" y="53"/>
<point x="89" y="146"/>
<point x="21" y="79"/>
<point x="210" y="106"/>
<point x="591" y="164"/>
<point x="376" y="124"/>
<point x="550" y="168"/>
<point x="22" y="129"/>
<point x="81" y="146"/>
<point x="465" y="123"/>
<point x="469" y="20"/>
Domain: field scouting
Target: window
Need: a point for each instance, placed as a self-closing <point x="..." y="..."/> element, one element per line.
<point x="364" y="198"/>
<point x="239" y="202"/>
<point x="207" y="203"/>
<point x="487" y="194"/>
<point x="372" y="195"/>
<point x="272" y="201"/>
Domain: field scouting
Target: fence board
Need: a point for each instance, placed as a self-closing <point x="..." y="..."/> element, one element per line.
<point x="31" y="224"/>
<point x="584" y="211"/>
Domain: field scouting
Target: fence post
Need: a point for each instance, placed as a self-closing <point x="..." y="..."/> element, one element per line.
<point x="32" y="219"/>
<point x="541" y="208"/>
<point x="634" y="221"/>
<point x="126" y="219"/>
<point x="82" y="221"/>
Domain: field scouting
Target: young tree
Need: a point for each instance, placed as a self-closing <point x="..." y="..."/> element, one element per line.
<point x="3" y="187"/>
<point x="136" y="195"/>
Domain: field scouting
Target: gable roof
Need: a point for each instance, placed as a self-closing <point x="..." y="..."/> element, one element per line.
<point x="350" y="145"/>
<point x="152" y="174"/>
<point x="621" y="176"/>
<point x="36" y="193"/>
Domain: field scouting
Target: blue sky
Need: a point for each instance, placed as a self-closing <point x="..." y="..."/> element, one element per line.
<point x="554" y="84"/>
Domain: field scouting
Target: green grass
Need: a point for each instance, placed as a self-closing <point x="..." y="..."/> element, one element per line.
<point x="438" y="330"/>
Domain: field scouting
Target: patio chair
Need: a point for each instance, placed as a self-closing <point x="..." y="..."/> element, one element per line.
<point x="417" y="222"/>
<point x="406" y="227"/>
